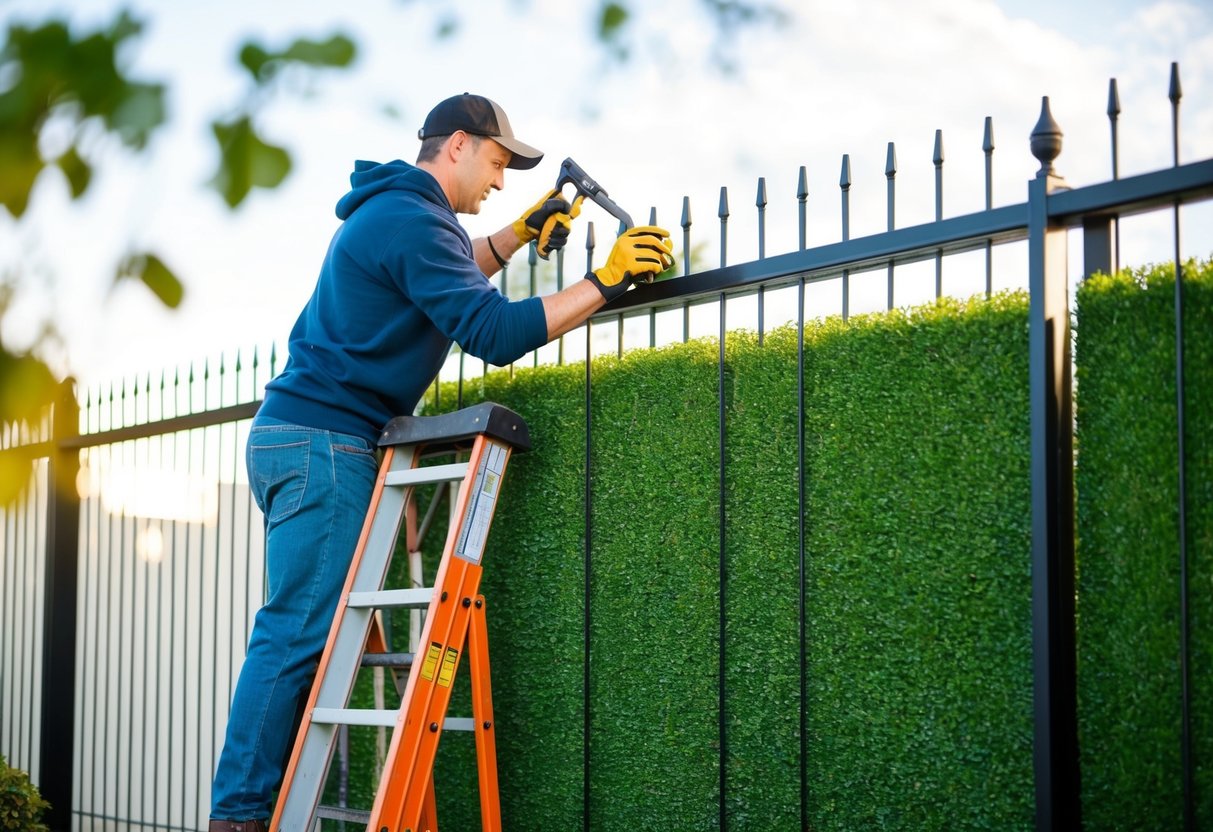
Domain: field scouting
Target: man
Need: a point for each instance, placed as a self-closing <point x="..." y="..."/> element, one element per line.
<point x="400" y="282"/>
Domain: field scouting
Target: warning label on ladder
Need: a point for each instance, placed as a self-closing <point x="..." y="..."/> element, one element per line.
<point x="481" y="504"/>
<point x="431" y="661"/>
<point x="448" y="667"/>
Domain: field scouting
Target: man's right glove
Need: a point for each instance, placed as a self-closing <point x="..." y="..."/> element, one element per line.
<point x="638" y="254"/>
<point x="549" y="221"/>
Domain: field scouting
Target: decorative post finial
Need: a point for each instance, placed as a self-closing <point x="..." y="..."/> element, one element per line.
<point x="1046" y="140"/>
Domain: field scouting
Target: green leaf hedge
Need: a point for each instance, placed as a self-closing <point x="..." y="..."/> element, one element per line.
<point x="1129" y="680"/>
<point x="916" y="592"/>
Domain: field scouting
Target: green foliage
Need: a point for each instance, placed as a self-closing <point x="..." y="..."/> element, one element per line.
<point x="337" y="51"/>
<point x="73" y="82"/>
<point x="246" y="159"/>
<point x="26" y="386"/>
<point x="762" y="636"/>
<point x="151" y="271"/>
<point x="54" y="84"/>
<point x="534" y="589"/>
<point x="654" y="602"/>
<point x="21" y="806"/>
<point x="1128" y="547"/>
<point x="612" y="19"/>
<point x="57" y="84"/>
<point x="918" y="594"/>
<point x="918" y="589"/>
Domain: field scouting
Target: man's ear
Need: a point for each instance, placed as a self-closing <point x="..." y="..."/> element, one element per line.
<point x="456" y="145"/>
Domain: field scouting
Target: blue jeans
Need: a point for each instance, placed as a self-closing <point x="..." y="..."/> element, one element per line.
<point x="313" y="486"/>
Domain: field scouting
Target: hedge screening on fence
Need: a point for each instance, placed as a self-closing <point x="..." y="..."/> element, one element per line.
<point x="917" y="602"/>
<point x="917" y="576"/>
<point x="920" y="682"/>
<point x="917" y="594"/>
<point x="917" y="589"/>
<point x="1128" y="545"/>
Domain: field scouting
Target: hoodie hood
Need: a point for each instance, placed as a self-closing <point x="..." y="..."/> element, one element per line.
<point x="371" y="178"/>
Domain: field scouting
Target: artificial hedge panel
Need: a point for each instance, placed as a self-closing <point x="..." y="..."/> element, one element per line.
<point x="919" y="647"/>
<point x="655" y="569"/>
<point x="534" y="582"/>
<point x="1129" y="682"/>
<point x="918" y="601"/>
<point x="762" y="636"/>
<point x="534" y="586"/>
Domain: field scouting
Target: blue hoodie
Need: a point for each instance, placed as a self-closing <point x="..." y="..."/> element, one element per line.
<point x="397" y="286"/>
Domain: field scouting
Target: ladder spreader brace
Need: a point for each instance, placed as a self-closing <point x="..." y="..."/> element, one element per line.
<point x="454" y="624"/>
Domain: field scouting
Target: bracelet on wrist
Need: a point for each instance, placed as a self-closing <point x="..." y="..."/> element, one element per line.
<point x="501" y="261"/>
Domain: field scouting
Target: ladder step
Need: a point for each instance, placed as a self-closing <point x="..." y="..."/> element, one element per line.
<point x="362" y="816"/>
<point x="352" y="716"/>
<point x="394" y="660"/>
<point x="386" y="719"/>
<point x="392" y="598"/>
<point x="427" y="476"/>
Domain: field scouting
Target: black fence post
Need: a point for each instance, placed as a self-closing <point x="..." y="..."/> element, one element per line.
<point x="1055" y="753"/>
<point x="59" y="618"/>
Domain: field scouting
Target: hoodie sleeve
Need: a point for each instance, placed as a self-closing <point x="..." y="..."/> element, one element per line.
<point x="431" y="260"/>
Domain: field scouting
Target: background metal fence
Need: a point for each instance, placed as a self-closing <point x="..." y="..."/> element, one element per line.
<point x="132" y="566"/>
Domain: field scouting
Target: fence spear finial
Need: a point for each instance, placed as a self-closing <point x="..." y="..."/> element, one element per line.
<point x="1046" y="140"/>
<point x="686" y="235"/>
<point x="722" y="212"/>
<point x="802" y="196"/>
<point x="760" y="201"/>
<point x="1113" y="117"/>
<point x="844" y="182"/>
<point x="890" y="172"/>
<point x="1174" y="92"/>
<point x="987" y="146"/>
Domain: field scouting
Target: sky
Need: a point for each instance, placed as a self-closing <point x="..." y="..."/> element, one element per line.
<point x="836" y="78"/>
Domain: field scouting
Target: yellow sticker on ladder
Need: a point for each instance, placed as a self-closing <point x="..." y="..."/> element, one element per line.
<point x="431" y="661"/>
<point x="448" y="667"/>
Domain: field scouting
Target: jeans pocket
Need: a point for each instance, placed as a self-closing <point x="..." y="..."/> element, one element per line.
<point x="360" y="453"/>
<point x="278" y="463"/>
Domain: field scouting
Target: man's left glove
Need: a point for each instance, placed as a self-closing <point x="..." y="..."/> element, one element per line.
<point x="549" y="221"/>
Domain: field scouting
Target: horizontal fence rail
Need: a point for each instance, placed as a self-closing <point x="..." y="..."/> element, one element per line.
<point x="123" y="625"/>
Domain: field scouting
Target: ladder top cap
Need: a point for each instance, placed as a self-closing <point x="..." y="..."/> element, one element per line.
<point x="488" y="418"/>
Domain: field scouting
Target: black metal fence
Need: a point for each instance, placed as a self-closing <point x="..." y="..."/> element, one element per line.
<point x="132" y="566"/>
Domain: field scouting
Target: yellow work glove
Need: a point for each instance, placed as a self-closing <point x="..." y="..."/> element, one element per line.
<point x="638" y="255"/>
<point x="549" y="220"/>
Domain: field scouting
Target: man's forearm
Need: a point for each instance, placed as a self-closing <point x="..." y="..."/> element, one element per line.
<point x="569" y="308"/>
<point x="505" y="242"/>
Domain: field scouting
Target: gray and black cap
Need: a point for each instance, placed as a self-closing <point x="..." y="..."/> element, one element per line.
<point x="479" y="116"/>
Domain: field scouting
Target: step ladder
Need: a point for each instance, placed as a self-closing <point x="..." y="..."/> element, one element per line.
<point x="454" y="624"/>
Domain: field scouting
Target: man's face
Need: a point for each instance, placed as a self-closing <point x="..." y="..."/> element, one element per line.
<point x="481" y="170"/>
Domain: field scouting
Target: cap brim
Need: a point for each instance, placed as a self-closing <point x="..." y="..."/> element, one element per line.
<point x="523" y="156"/>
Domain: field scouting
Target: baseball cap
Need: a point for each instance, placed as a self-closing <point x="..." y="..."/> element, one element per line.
<point x="479" y="116"/>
